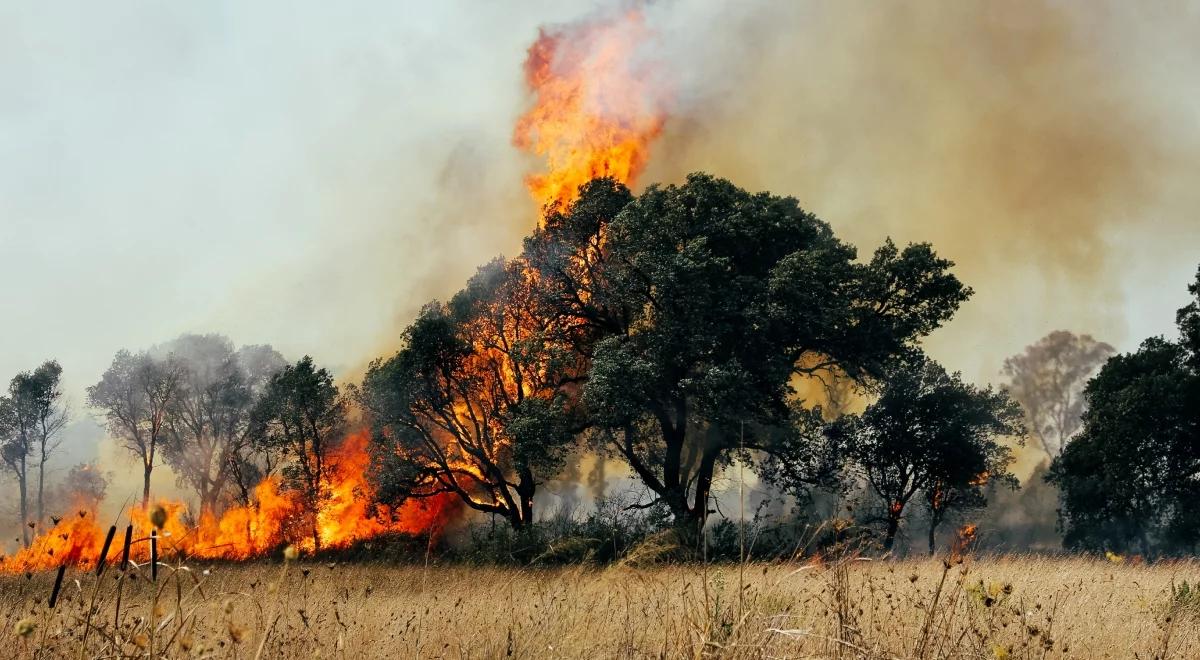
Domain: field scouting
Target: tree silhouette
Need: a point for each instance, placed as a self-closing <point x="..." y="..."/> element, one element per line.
<point x="929" y="433"/>
<point x="696" y="305"/>
<point x="135" y="394"/>
<point x="1129" y="478"/>
<point x="1048" y="378"/>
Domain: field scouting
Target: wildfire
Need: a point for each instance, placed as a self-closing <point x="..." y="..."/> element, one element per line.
<point x="242" y="532"/>
<point x="598" y="105"/>
<point x="963" y="542"/>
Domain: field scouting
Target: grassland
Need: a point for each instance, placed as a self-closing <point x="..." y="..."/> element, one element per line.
<point x="998" y="607"/>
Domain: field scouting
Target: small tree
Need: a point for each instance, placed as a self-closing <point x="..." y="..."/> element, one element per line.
<point x="928" y="432"/>
<point x="302" y="415"/>
<point x="136" y="394"/>
<point x="15" y="450"/>
<point x="42" y="391"/>
<point x="33" y="415"/>
<point x="85" y="483"/>
<point x="1048" y="378"/>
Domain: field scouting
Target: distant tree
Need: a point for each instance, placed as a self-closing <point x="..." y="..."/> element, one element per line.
<point x="16" y="447"/>
<point x="41" y="392"/>
<point x="209" y="418"/>
<point x="302" y="415"/>
<point x="476" y="403"/>
<point x="250" y="464"/>
<point x="1048" y="378"/>
<point x="136" y="394"/>
<point x="696" y="305"/>
<point x="931" y="433"/>
<point x="85" y="483"/>
<point x="32" y="417"/>
<point x="1130" y="479"/>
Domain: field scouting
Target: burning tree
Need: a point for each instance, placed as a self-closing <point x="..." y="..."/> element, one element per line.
<point x="476" y="404"/>
<point x="302" y="415"/>
<point x="929" y="432"/>
<point x="209" y="419"/>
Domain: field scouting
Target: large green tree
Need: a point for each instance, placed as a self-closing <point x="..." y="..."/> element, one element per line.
<point x="1130" y="479"/>
<point x="696" y="307"/>
<point x="477" y="402"/>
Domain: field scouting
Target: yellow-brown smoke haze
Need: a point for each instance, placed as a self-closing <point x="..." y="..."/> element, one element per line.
<point x="1044" y="146"/>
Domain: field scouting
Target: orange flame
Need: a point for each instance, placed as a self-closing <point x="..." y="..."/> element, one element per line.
<point x="598" y="105"/>
<point x="963" y="542"/>
<point x="243" y="532"/>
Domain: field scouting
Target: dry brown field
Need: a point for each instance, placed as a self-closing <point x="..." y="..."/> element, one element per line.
<point x="987" y="607"/>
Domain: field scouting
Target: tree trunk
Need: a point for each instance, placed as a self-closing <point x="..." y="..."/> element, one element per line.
<point x="146" y="468"/>
<point x="933" y="525"/>
<point x="41" y="512"/>
<point x="22" y="483"/>
<point x="893" y="526"/>
<point x="525" y="491"/>
<point x="514" y="520"/>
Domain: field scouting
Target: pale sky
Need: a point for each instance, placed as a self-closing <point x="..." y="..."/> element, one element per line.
<point x="271" y="171"/>
<point x="308" y="174"/>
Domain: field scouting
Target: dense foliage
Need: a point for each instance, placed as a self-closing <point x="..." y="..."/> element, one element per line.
<point x="1131" y="478"/>
<point x="668" y="328"/>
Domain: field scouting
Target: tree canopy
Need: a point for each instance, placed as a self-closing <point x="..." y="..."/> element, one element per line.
<point x="1131" y="478"/>
<point x="697" y="305"/>
<point x="929" y="433"/>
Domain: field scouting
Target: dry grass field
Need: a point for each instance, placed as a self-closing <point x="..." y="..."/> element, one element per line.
<point x="1000" y="607"/>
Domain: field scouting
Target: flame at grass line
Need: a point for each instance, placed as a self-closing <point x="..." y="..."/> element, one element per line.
<point x="598" y="105"/>
<point x="244" y="532"/>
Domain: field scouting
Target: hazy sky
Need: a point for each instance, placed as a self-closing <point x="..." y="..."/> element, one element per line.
<point x="308" y="174"/>
<point x="280" y="172"/>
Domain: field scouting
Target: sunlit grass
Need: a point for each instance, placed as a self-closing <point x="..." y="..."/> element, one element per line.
<point x="994" y="607"/>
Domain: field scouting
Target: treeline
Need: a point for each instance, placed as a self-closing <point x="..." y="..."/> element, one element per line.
<point x="678" y="331"/>
<point x="225" y="419"/>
